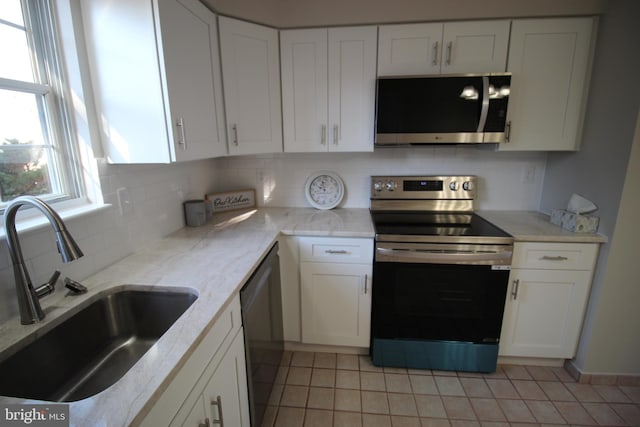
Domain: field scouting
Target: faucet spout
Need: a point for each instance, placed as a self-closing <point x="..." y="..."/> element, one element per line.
<point x="28" y="298"/>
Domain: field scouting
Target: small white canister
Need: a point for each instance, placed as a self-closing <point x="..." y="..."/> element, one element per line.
<point x="195" y="213"/>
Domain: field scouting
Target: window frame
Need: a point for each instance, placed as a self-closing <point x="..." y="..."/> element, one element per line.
<point x="51" y="91"/>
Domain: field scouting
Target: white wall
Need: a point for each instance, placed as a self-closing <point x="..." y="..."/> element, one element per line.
<point x="156" y="192"/>
<point x="598" y="171"/>
<point x="279" y="179"/>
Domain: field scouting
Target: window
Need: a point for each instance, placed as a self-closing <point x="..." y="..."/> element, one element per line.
<point x="37" y="147"/>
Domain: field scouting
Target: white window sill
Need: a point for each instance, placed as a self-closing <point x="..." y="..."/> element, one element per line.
<point x="33" y="219"/>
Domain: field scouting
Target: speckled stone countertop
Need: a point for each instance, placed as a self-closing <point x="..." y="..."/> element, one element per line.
<point x="215" y="260"/>
<point x="530" y="226"/>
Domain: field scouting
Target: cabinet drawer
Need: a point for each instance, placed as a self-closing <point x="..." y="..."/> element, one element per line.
<point x="336" y="250"/>
<point x="555" y="256"/>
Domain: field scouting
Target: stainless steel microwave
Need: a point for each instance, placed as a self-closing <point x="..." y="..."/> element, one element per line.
<point x="450" y="109"/>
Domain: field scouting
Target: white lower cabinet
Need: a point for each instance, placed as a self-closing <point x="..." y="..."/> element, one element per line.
<point x="335" y="290"/>
<point x="547" y="296"/>
<point x="220" y="403"/>
<point x="211" y="386"/>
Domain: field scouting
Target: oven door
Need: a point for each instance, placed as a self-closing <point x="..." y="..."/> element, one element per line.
<point x="429" y="301"/>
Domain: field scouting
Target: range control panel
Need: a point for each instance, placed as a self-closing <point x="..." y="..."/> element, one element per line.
<point x="456" y="187"/>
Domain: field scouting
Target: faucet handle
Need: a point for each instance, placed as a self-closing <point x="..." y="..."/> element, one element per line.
<point x="48" y="287"/>
<point x="76" y="288"/>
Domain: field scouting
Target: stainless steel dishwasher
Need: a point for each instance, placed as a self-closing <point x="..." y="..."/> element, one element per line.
<point x="261" y="302"/>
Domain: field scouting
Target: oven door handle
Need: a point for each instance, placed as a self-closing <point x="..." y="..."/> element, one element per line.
<point x="442" y="257"/>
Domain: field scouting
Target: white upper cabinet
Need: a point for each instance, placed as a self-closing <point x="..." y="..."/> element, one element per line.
<point x="550" y="60"/>
<point x="451" y="48"/>
<point x="155" y="72"/>
<point x="328" y="89"/>
<point x="251" y="80"/>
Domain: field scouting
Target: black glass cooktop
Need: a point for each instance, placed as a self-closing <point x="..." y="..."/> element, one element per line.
<point x="434" y="224"/>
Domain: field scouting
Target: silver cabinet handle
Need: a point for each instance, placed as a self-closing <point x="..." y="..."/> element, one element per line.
<point x="218" y="403"/>
<point x="366" y="284"/>
<point x="336" y="252"/>
<point x="234" y="128"/>
<point x="514" y="290"/>
<point x="335" y="134"/>
<point x="484" y="111"/>
<point x="435" y="54"/>
<point x="449" y="47"/>
<point x="182" y="140"/>
<point x="507" y="131"/>
<point x="554" y="258"/>
<point x="205" y="423"/>
<point x="323" y="135"/>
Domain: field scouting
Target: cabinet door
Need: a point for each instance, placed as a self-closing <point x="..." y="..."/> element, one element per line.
<point x="352" y="80"/>
<point x="251" y="81"/>
<point x="304" y="89"/>
<point x="475" y="47"/>
<point x="550" y="60"/>
<point x="225" y="395"/>
<point x="411" y="49"/>
<point x="543" y="313"/>
<point x="189" y="41"/>
<point x="197" y="417"/>
<point x="336" y="303"/>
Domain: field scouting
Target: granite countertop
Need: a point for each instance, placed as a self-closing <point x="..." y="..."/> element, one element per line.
<point x="215" y="260"/>
<point x="531" y="226"/>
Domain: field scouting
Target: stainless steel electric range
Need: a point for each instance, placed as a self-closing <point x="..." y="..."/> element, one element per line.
<point x="440" y="275"/>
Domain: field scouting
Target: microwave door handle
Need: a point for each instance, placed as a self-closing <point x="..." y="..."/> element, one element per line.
<point x="485" y="104"/>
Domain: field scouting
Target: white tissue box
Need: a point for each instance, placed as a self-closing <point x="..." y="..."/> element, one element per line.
<point x="575" y="222"/>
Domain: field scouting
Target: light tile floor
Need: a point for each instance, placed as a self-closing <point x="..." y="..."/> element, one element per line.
<point x="328" y="389"/>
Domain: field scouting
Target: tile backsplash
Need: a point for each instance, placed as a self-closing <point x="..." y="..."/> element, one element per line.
<point x="510" y="181"/>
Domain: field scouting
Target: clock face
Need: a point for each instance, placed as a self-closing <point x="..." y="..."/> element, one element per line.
<point x="324" y="190"/>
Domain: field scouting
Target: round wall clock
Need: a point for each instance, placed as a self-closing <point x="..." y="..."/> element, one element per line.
<point x="324" y="190"/>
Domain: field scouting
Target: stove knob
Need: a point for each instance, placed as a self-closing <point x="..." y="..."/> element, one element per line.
<point x="467" y="186"/>
<point x="391" y="185"/>
<point x="377" y="186"/>
<point x="454" y="186"/>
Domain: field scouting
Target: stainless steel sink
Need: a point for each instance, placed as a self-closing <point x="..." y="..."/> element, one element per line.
<point x="94" y="347"/>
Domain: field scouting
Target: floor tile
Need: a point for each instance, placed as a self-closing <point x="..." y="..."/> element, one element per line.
<point x="299" y="376"/>
<point x="347" y="419"/>
<point x="347" y="361"/>
<point x="574" y="413"/>
<point x="321" y="398"/>
<point x="290" y="417"/>
<point x="366" y="365"/>
<point x="402" y="421"/>
<point x="435" y="422"/>
<point x="294" y="395"/>
<point x="397" y="383"/>
<point x="318" y="418"/>
<point x="544" y="412"/>
<point x="375" y="402"/>
<point x="584" y="392"/>
<point x="541" y="373"/>
<point x="347" y="379"/>
<point x="372" y="381"/>
<point x="516" y="411"/>
<point x="449" y="386"/>
<point x="374" y="420"/>
<point x="458" y="408"/>
<point x="430" y="406"/>
<point x="516" y="372"/>
<point x="611" y="394"/>
<point x="325" y="360"/>
<point x="423" y="384"/>
<point x="555" y="390"/>
<point x="487" y="409"/>
<point x="632" y="392"/>
<point x="392" y="370"/>
<point x="502" y="389"/>
<point x="475" y="387"/>
<point x="347" y="400"/>
<point x="603" y="414"/>
<point x="269" y="418"/>
<point x="402" y="404"/>
<point x="629" y="413"/>
<point x="529" y="390"/>
<point x="302" y="358"/>
<point x="321" y="377"/>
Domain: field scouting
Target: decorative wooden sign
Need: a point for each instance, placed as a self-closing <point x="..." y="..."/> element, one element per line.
<point x="232" y="200"/>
